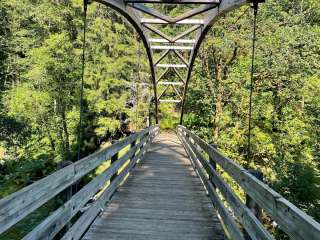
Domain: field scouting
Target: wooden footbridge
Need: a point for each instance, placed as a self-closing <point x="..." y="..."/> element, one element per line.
<point x="167" y="186"/>
<point x="159" y="186"/>
<point x="163" y="199"/>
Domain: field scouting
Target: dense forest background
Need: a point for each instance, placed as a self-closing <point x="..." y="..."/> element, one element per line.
<point x="40" y="75"/>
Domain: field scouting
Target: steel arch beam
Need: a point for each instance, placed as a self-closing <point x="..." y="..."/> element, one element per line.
<point x="135" y="19"/>
<point x="212" y="16"/>
<point x="212" y="10"/>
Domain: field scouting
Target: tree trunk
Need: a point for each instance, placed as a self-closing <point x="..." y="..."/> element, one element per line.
<point x="65" y="132"/>
<point x="218" y="102"/>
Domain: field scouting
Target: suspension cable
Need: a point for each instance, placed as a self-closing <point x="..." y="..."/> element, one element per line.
<point x="137" y="84"/>
<point x="85" y="7"/>
<point x="255" y="12"/>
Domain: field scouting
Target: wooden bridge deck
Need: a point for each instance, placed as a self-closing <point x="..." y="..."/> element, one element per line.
<point x="162" y="199"/>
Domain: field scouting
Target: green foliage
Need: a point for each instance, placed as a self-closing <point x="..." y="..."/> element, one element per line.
<point x="169" y="117"/>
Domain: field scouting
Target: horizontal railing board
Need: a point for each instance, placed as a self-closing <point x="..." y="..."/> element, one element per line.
<point x="86" y="219"/>
<point x="18" y="205"/>
<point x="57" y="220"/>
<point x="228" y="221"/>
<point x="296" y="223"/>
<point x="253" y="226"/>
<point x="79" y="228"/>
<point x="87" y="164"/>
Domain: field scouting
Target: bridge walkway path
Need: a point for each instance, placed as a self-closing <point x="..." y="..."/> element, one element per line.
<point x="162" y="199"/>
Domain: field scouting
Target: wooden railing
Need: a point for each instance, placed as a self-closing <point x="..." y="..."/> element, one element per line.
<point x="296" y="223"/>
<point x="98" y="191"/>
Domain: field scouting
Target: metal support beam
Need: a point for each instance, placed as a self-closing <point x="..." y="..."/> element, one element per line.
<point x="171" y="66"/>
<point x="170" y="83"/>
<point x="210" y="10"/>
<point x="179" y="75"/>
<point x="160" y="21"/>
<point x="161" y="40"/>
<point x="170" y="101"/>
<point x="162" y="56"/>
<point x="171" y="47"/>
<point x="162" y="74"/>
<point x="181" y="57"/>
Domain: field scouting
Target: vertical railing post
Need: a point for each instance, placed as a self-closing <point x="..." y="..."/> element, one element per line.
<point x="187" y="139"/>
<point x="149" y="137"/>
<point x="133" y="145"/>
<point x="113" y="159"/>
<point x="65" y="195"/>
<point x="149" y="117"/>
<point x="214" y="165"/>
<point x="251" y="204"/>
<point x="150" y="134"/>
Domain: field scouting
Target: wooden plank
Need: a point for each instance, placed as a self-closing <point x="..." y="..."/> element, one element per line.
<point x="16" y="206"/>
<point x="158" y="225"/>
<point x="91" y="162"/>
<point x="77" y="230"/>
<point x="253" y="226"/>
<point x="179" y="205"/>
<point x="146" y="213"/>
<point x="175" y="1"/>
<point x="149" y="234"/>
<point x="229" y="222"/>
<point x="296" y="223"/>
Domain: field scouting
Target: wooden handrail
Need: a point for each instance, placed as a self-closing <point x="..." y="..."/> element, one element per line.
<point x="18" y="205"/>
<point x="296" y="223"/>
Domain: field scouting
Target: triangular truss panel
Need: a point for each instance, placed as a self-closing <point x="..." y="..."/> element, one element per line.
<point x="179" y="33"/>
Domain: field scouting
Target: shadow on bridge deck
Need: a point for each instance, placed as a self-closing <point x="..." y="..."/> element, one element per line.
<point x="162" y="199"/>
